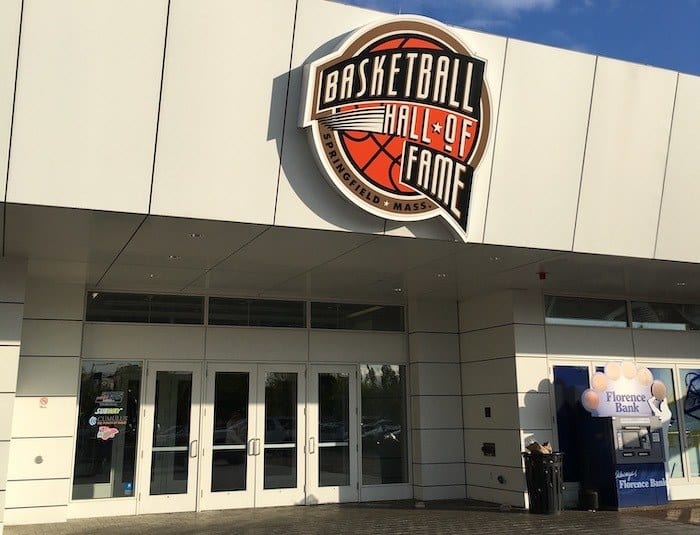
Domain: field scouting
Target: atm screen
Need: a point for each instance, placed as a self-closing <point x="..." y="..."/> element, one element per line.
<point x="630" y="440"/>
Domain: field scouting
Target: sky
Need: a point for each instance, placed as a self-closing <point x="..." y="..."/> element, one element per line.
<point x="663" y="33"/>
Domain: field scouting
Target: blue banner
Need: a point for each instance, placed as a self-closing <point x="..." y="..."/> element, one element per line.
<point x="640" y="484"/>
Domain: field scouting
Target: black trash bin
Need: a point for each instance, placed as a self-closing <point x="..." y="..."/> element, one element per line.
<point x="545" y="481"/>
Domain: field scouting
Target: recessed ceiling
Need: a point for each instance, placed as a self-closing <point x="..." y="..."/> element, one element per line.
<point x="133" y="252"/>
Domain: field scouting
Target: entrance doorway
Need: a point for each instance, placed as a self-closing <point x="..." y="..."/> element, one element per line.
<point x="220" y="436"/>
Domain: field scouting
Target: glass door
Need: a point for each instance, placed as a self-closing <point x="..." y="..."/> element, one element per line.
<point x="168" y="474"/>
<point x="279" y="442"/>
<point x="228" y="441"/>
<point x="332" y="429"/>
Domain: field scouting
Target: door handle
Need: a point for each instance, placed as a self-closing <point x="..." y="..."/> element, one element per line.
<point x="257" y="446"/>
<point x="312" y="445"/>
<point x="251" y="446"/>
<point x="193" y="448"/>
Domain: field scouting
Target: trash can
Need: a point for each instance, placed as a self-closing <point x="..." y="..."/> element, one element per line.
<point x="545" y="481"/>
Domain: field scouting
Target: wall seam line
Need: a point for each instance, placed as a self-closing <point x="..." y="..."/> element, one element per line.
<point x="495" y="138"/>
<point x="160" y="102"/>
<point x="12" y="127"/>
<point x="286" y="108"/>
<point x="585" y="150"/>
<point x="668" y="150"/>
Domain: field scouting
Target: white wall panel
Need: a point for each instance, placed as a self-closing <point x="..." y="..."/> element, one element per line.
<point x="625" y="159"/>
<point x="507" y="443"/>
<point x="529" y="340"/>
<point x="441" y="492"/>
<point x="488" y="494"/>
<point x="305" y="198"/>
<point x="222" y="109"/>
<point x="489" y="377"/>
<point x="484" y="311"/>
<point x="12" y="279"/>
<point x="487" y="344"/>
<point x="539" y="154"/>
<point x="438" y="474"/>
<point x="432" y="316"/>
<point x="492" y="49"/>
<point x="59" y="338"/>
<point x="9" y="35"/>
<point x="36" y="515"/>
<point x="48" y="376"/>
<point x="10" y="323"/>
<point x="40" y="458"/>
<point x="666" y="344"/>
<point x="535" y="410"/>
<point x="87" y="100"/>
<point x="349" y="346"/>
<point x="532" y="374"/>
<point x="436" y="412"/>
<point x="435" y="379"/>
<point x="434" y="347"/>
<point x="55" y="419"/>
<point x="528" y="307"/>
<point x="4" y="455"/>
<point x="487" y="476"/>
<point x="588" y="341"/>
<point x="6" y="404"/>
<point x="504" y="411"/>
<point x="253" y="344"/>
<point x="143" y="341"/>
<point x="438" y="446"/>
<point x="37" y="492"/>
<point x="49" y="300"/>
<point x="9" y="359"/>
<point x="679" y="211"/>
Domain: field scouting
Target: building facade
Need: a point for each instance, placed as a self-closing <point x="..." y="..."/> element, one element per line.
<point x="193" y="316"/>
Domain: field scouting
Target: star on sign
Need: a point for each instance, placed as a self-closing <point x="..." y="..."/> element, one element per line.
<point x="437" y="127"/>
<point x="386" y="203"/>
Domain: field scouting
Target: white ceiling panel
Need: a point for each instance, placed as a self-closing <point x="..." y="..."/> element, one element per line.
<point x="67" y="234"/>
<point x="296" y="250"/>
<point x="193" y="243"/>
<point x="148" y="278"/>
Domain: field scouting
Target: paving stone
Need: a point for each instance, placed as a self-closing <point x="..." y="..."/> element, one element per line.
<point x="453" y="517"/>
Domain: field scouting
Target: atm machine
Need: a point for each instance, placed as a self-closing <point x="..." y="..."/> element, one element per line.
<point x="623" y="461"/>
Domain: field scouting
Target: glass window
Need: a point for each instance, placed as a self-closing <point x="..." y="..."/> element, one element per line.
<point x="257" y="312"/>
<point x="145" y="308"/>
<point x="384" y="446"/>
<point x="357" y="317"/>
<point x="672" y="434"/>
<point x="569" y="384"/>
<point x="108" y="418"/>
<point x="690" y="388"/>
<point x="673" y="317"/>
<point x="583" y="311"/>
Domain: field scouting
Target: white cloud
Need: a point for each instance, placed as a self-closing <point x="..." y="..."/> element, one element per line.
<point x="511" y="7"/>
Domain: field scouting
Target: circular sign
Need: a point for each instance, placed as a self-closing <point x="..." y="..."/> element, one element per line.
<point x="398" y="120"/>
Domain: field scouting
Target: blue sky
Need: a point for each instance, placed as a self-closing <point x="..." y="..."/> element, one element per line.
<point x="665" y="33"/>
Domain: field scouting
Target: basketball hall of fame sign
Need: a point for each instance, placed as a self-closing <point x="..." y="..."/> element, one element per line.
<point x="398" y="118"/>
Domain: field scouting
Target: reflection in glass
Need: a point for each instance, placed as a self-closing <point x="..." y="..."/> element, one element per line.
<point x="675" y="466"/>
<point x="561" y="310"/>
<point x="384" y="451"/>
<point x="280" y="470"/>
<point x="668" y="316"/>
<point x="690" y="387"/>
<point x="569" y="384"/>
<point x="228" y="471"/>
<point x="357" y="317"/>
<point x="229" y="459"/>
<point x="171" y="433"/>
<point x="105" y="461"/>
<point x="333" y="426"/>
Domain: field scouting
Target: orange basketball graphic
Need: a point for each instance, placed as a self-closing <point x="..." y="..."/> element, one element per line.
<point x="378" y="156"/>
